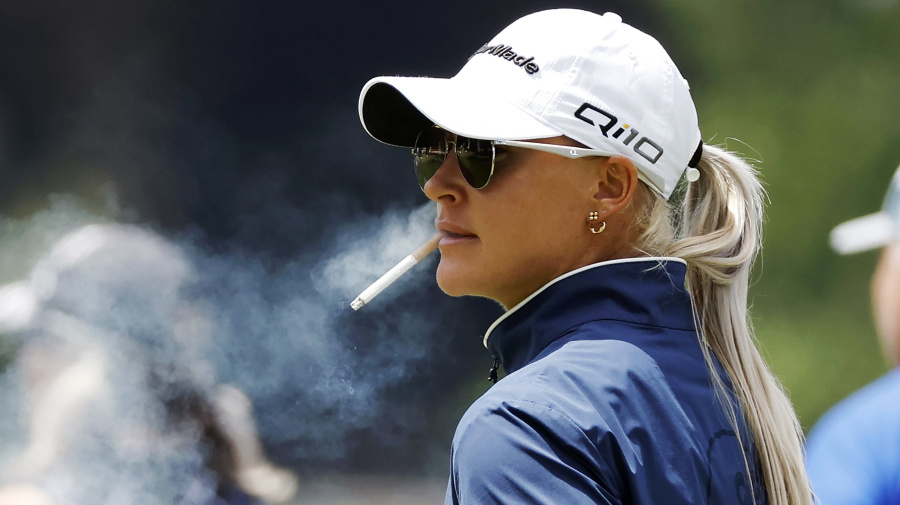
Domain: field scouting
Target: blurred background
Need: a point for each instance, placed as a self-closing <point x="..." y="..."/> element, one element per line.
<point x="228" y="131"/>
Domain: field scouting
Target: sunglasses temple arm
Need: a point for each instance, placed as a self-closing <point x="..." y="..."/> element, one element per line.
<point x="567" y="151"/>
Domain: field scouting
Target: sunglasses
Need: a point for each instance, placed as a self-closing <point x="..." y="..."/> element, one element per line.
<point x="475" y="156"/>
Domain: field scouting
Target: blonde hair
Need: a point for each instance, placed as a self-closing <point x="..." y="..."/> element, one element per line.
<point x="714" y="224"/>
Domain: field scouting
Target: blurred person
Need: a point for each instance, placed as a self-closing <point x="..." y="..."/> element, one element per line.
<point x="573" y="188"/>
<point x="853" y="451"/>
<point x="119" y="402"/>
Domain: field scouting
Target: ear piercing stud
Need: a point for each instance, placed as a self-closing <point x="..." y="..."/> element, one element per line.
<point x="593" y="217"/>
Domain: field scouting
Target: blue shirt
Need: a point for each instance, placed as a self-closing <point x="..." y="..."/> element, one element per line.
<point x="607" y="399"/>
<point x="853" y="452"/>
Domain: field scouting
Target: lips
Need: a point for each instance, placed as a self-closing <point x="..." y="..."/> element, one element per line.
<point x="453" y="232"/>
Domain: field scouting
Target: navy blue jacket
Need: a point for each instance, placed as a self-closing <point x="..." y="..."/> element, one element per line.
<point x="607" y="399"/>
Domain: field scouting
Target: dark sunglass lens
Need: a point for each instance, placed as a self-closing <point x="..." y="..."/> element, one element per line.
<point x="476" y="160"/>
<point x="426" y="166"/>
<point x="429" y="153"/>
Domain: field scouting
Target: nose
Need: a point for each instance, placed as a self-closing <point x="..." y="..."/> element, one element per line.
<point x="447" y="185"/>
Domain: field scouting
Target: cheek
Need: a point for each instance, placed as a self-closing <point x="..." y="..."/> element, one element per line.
<point x="545" y="222"/>
<point x="536" y="228"/>
<point x="533" y="244"/>
<point x="561" y="217"/>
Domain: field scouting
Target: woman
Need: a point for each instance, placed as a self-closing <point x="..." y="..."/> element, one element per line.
<point x="572" y="187"/>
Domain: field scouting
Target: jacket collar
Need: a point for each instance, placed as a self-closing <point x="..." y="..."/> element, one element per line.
<point x="648" y="291"/>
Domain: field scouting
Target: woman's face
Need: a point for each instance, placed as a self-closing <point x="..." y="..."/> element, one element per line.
<point x="526" y="227"/>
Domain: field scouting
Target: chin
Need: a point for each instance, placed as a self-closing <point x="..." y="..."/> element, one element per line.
<point x="455" y="281"/>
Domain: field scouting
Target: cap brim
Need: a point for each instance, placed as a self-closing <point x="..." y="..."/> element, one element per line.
<point x="394" y="110"/>
<point x="864" y="233"/>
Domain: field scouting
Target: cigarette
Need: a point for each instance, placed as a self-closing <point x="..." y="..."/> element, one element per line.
<point x="395" y="273"/>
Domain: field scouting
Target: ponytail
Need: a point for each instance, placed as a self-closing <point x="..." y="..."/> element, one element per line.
<point x="717" y="231"/>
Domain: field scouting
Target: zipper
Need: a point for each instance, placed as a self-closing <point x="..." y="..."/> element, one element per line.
<point x="492" y="374"/>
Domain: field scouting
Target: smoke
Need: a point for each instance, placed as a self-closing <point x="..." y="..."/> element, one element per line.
<point x="132" y="336"/>
<point x="324" y="365"/>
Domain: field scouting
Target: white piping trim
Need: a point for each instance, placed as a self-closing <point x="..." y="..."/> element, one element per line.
<point x="656" y="259"/>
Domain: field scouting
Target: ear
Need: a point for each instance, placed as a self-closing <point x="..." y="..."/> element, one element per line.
<point x="617" y="182"/>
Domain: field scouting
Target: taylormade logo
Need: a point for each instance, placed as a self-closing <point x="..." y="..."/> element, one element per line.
<point x="507" y="53"/>
<point x="595" y="116"/>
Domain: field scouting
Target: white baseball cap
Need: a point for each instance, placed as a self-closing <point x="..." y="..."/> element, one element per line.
<point x="565" y="72"/>
<point x="874" y="230"/>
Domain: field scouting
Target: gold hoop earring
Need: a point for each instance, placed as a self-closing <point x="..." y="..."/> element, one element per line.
<point x="593" y="217"/>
